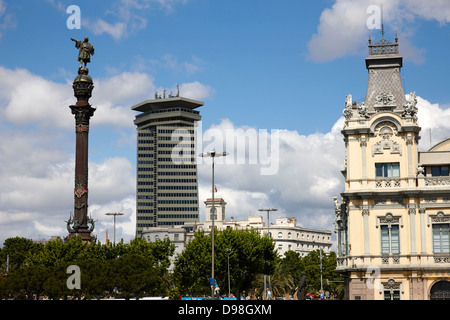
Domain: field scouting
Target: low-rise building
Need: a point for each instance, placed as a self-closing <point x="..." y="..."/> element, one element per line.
<point x="285" y="232"/>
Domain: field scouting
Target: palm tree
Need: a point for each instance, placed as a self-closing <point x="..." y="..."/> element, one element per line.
<point x="280" y="283"/>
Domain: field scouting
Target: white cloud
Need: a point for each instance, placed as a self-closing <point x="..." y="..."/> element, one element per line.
<point x="309" y="170"/>
<point x="196" y="90"/>
<point x="125" y="224"/>
<point x="36" y="193"/>
<point x="27" y="99"/>
<point x="307" y="179"/>
<point x="340" y="30"/>
<point x="438" y="10"/>
<point x="131" y="16"/>
<point x="37" y="157"/>
<point x="7" y="20"/>
<point x="112" y="179"/>
<point x="36" y="206"/>
<point x="124" y="87"/>
<point x="343" y="28"/>
<point x="99" y="27"/>
<point x="114" y="96"/>
<point x="171" y="62"/>
<point x="434" y="120"/>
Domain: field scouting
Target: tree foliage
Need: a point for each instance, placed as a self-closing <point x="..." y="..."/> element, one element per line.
<point x="139" y="268"/>
<point x="310" y="265"/>
<point x="248" y="252"/>
<point x="126" y="270"/>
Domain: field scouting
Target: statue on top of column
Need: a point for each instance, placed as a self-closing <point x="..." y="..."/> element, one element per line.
<point x="85" y="51"/>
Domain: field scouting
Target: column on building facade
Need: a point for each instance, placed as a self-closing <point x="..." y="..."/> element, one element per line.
<point x="365" y="213"/>
<point x="363" y="144"/>
<point x="423" y="241"/>
<point x="412" y="231"/>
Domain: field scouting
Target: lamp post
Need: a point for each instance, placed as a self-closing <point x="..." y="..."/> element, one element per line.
<point x="268" y="222"/>
<point x="114" y="214"/>
<point x="228" y="251"/>
<point x="268" y="234"/>
<point x="212" y="155"/>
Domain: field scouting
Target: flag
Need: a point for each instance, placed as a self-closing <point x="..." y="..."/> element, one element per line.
<point x="215" y="188"/>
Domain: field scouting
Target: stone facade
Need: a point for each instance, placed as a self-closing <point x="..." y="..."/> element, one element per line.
<point x="393" y="221"/>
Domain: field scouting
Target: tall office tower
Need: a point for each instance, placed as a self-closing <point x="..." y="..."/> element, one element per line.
<point x="166" y="162"/>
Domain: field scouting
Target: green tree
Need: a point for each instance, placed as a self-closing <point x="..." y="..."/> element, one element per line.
<point x="133" y="275"/>
<point x="310" y="264"/>
<point x="55" y="286"/>
<point x="312" y="271"/>
<point x="94" y="278"/>
<point x="280" y="283"/>
<point x="293" y="264"/>
<point x="249" y="254"/>
<point x="15" y="251"/>
<point x="135" y="269"/>
<point x="24" y="283"/>
<point x="59" y="251"/>
<point x="193" y="266"/>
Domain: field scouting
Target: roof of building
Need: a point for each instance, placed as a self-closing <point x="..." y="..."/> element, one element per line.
<point x="444" y="145"/>
<point x="384" y="87"/>
<point x="157" y="104"/>
<point x="439" y="154"/>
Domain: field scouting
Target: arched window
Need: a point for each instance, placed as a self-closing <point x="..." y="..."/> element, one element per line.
<point x="440" y="291"/>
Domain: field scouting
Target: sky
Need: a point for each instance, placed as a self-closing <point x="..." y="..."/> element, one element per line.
<point x="275" y="70"/>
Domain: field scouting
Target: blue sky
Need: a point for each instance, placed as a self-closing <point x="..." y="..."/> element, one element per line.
<point x="262" y="64"/>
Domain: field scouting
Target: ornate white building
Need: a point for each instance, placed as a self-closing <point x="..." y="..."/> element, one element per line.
<point x="393" y="225"/>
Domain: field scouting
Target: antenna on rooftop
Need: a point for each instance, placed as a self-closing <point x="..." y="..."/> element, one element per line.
<point x="382" y="23"/>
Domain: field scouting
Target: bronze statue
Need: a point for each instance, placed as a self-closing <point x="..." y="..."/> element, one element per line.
<point x="301" y="288"/>
<point x="86" y="50"/>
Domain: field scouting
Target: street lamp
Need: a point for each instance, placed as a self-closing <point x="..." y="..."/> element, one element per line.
<point x="212" y="154"/>
<point x="228" y="251"/>
<point x="114" y="214"/>
<point x="268" y="234"/>
<point x="268" y="222"/>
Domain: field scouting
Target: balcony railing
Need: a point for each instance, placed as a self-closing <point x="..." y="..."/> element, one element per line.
<point x="393" y="261"/>
<point x="383" y="47"/>
<point x="437" y="181"/>
<point x="381" y="183"/>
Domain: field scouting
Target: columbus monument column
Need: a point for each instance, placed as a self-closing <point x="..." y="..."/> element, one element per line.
<point x="80" y="224"/>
